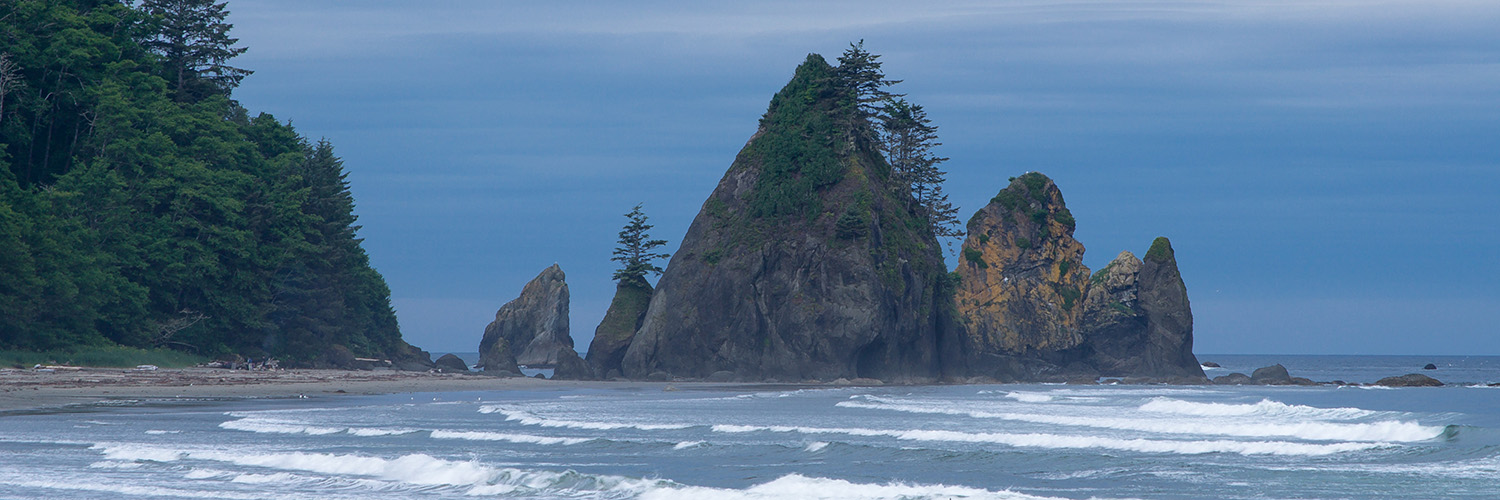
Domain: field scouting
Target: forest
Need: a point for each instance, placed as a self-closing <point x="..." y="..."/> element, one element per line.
<point x="141" y="206"/>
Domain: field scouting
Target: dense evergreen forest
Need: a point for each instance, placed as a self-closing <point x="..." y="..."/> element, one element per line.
<point x="142" y="206"/>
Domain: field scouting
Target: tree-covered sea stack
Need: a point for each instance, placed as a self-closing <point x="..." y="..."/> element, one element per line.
<point x="806" y="262"/>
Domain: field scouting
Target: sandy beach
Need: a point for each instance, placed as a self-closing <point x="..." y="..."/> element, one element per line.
<point x="35" y="389"/>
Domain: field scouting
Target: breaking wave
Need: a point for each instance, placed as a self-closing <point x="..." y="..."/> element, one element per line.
<point x="526" y="418"/>
<point x="1388" y="430"/>
<point x="1060" y="441"/>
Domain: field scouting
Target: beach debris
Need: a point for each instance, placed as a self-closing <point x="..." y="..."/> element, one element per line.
<point x="145" y="368"/>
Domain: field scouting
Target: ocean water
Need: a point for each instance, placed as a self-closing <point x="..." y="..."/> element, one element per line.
<point x="629" y="441"/>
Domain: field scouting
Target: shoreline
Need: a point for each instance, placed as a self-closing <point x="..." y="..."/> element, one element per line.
<point x="27" y="390"/>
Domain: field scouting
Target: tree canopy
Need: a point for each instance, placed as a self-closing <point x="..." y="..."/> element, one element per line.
<point x="636" y="253"/>
<point x="133" y="216"/>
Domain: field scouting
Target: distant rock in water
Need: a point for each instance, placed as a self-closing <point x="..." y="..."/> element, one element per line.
<point x="451" y="364"/>
<point x="617" y="330"/>
<point x="1233" y="379"/>
<point x="1409" y="380"/>
<point x="805" y="263"/>
<point x="1430" y="366"/>
<point x="1032" y="311"/>
<point x="531" y="329"/>
<point x="1210" y="364"/>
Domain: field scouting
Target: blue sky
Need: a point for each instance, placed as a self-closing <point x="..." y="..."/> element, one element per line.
<point x="1328" y="171"/>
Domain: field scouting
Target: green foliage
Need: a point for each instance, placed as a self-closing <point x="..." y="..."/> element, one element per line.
<point x="1022" y="242"/>
<point x="103" y="356"/>
<point x="1102" y="274"/>
<point x="1036" y="184"/>
<point x="166" y="222"/>
<point x="984" y="238"/>
<point x="797" y="149"/>
<point x="1065" y="217"/>
<point x="1069" y="295"/>
<point x="1008" y="199"/>
<point x="1161" y="250"/>
<point x="636" y="253"/>
<point x="853" y="224"/>
<point x="1121" y="308"/>
<point x="712" y="257"/>
<point x="1063" y="266"/>
<point x="976" y="257"/>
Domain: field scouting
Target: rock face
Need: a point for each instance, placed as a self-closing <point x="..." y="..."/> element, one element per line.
<point x="1033" y="312"/>
<point x="1168" y="350"/>
<point x="531" y="329"/>
<point x="617" y="330"/>
<point x="1022" y="274"/>
<point x="805" y="263"/>
<point x="571" y="367"/>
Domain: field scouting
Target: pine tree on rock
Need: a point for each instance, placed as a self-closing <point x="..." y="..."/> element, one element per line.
<point x="635" y="253"/>
<point x="195" y="43"/>
<point x="908" y="138"/>
<point x="859" y="70"/>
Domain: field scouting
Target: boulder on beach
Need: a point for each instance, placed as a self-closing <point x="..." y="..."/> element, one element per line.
<point x="451" y="364"/>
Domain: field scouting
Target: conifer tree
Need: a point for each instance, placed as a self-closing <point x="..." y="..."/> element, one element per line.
<point x="195" y="43"/>
<point x="908" y="137"/>
<point x="635" y="253"/>
<point x="859" y="70"/>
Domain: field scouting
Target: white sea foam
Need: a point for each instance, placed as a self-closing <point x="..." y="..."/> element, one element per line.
<point x="1264" y="407"/>
<point x="817" y="488"/>
<point x="687" y="444"/>
<point x="1029" y="397"/>
<point x="113" y="489"/>
<point x="1061" y="441"/>
<point x="1382" y="431"/>
<point x="416" y="469"/>
<point x="512" y="438"/>
<point x="815" y="446"/>
<point x="158" y="432"/>
<point x="276" y="478"/>
<point x="526" y="418"/>
<point x="267" y="426"/>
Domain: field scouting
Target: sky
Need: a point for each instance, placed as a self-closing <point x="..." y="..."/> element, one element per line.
<point x="1328" y="171"/>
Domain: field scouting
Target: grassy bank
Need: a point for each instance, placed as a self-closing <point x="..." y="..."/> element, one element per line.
<point x="108" y="356"/>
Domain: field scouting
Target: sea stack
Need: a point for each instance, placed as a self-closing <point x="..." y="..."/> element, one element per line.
<point x="1033" y="312"/>
<point x="1022" y="280"/>
<point x="805" y="263"/>
<point x="531" y="329"/>
<point x="617" y="330"/>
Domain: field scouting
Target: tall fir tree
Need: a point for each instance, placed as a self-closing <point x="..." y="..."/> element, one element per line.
<point x="193" y="40"/>
<point x="908" y="138"/>
<point x="636" y="253"/>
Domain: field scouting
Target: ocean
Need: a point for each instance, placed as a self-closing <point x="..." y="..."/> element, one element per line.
<point x="689" y="441"/>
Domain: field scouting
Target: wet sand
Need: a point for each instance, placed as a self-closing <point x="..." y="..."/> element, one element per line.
<point x="37" y="389"/>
